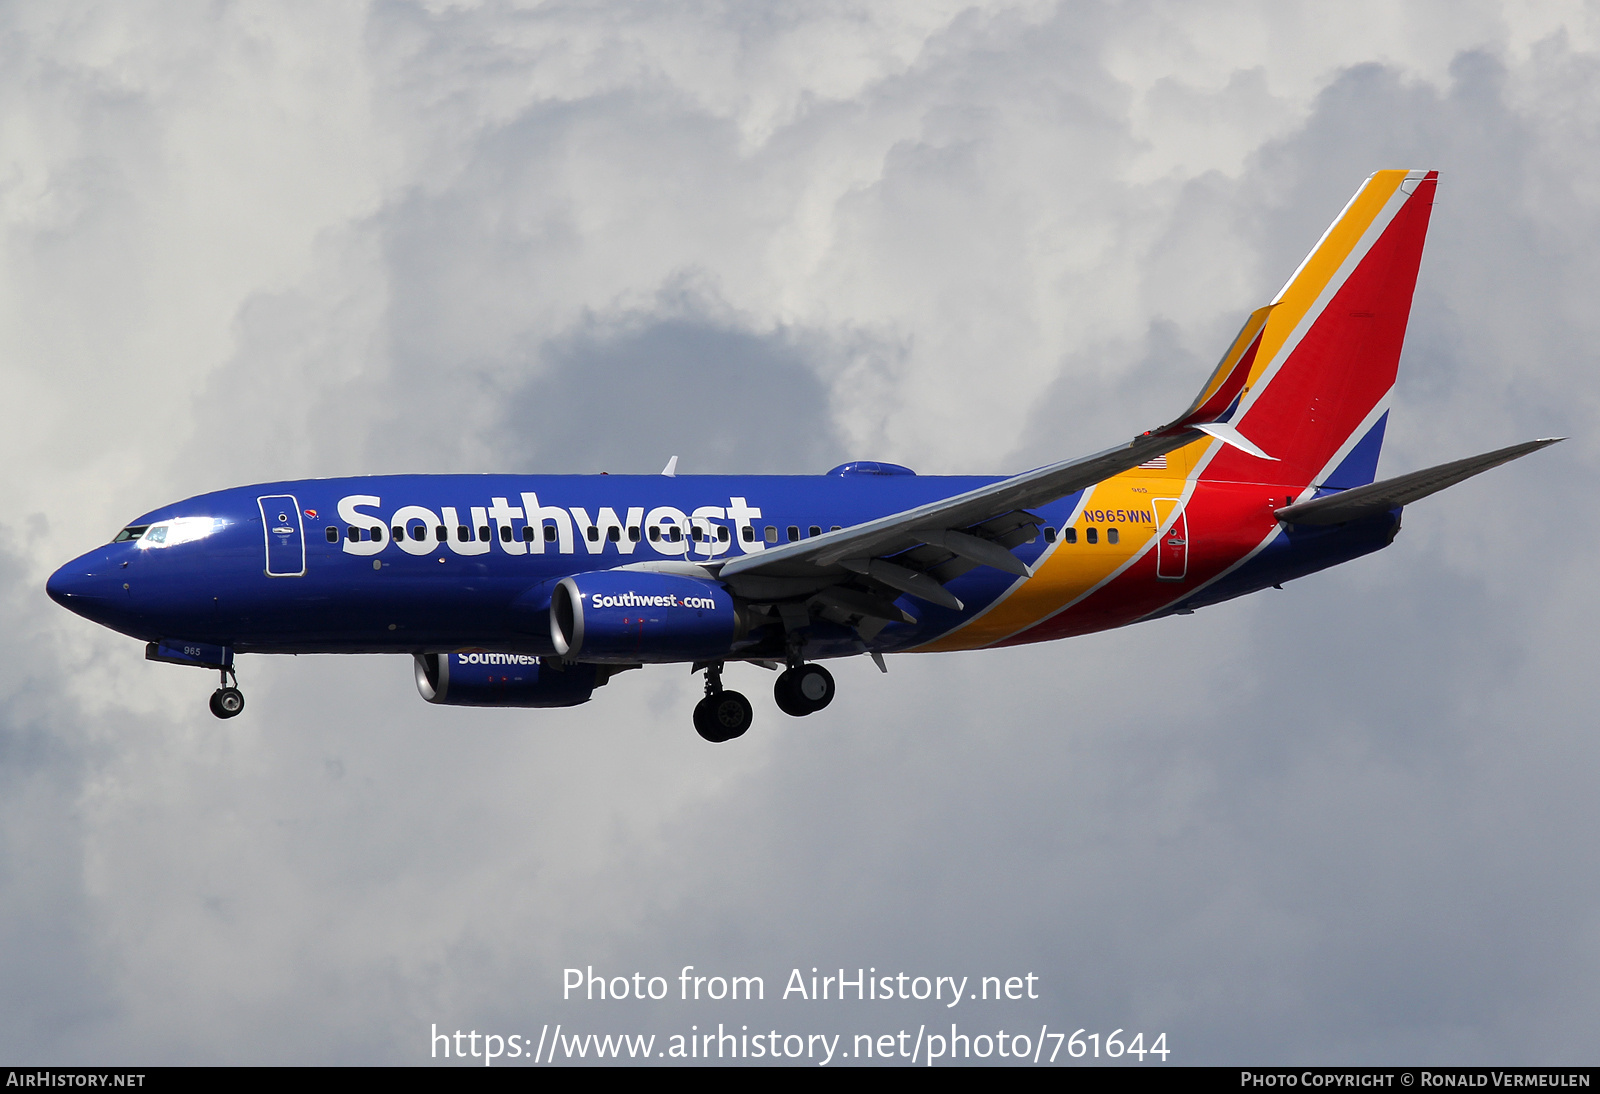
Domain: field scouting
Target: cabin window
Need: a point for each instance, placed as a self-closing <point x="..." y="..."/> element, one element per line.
<point x="399" y="532"/>
<point x="655" y="534"/>
<point x="352" y="534"/>
<point x="1092" y="535"/>
<point x="333" y="535"/>
<point x="722" y="534"/>
<point x="549" y="533"/>
<point x="794" y="533"/>
<point x="835" y="528"/>
<point x="697" y="534"/>
<point x="1069" y="534"/>
<point x="816" y="530"/>
<point x="593" y="533"/>
<point x="483" y="533"/>
<point x="614" y="534"/>
<point x="1049" y="535"/>
<point x="675" y="534"/>
<point x="377" y="535"/>
<point x="505" y="533"/>
<point x="527" y="533"/>
<point x="633" y="534"/>
<point x="441" y="533"/>
<point x="1112" y="535"/>
<point x="463" y="533"/>
<point x="748" y="534"/>
<point x="772" y="534"/>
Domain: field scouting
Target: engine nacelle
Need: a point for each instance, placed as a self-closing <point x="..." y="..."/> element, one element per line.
<point x="640" y="615"/>
<point x="504" y="680"/>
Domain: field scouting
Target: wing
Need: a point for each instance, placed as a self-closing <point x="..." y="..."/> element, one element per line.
<point x="977" y="528"/>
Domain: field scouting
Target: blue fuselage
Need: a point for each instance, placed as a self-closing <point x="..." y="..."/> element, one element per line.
<point x="486" y="583"/>
<point x="413" y="563"/>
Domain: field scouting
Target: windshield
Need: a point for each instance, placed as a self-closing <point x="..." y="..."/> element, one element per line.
<point x="170" y="533"/>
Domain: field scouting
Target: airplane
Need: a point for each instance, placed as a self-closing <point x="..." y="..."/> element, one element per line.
<point x="534" y="590"/>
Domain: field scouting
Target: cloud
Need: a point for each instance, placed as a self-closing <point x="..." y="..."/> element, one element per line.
<point x="1344" y="822"/>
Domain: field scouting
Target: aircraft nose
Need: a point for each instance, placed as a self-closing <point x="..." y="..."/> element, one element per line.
<point x="78" y="585"/>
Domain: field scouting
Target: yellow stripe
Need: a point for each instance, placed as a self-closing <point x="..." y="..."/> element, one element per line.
<point x="1072" y="569"/>
<point x="1301" y="294"/>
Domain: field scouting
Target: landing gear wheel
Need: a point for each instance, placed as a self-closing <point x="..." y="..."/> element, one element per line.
<point x="804" y="689"/>
<point x="723" y="716"/>
<point x="227" y="702"/>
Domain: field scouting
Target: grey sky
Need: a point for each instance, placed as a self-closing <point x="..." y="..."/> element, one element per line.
<point x="1352" y="821"/>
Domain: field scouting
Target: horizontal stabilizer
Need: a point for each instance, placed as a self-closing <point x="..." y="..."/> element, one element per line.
<point x="1229" y="435"/>
<point x="1380" y="497"/>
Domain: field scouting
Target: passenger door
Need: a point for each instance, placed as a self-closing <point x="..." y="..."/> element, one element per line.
<point x="1172" y="542"/>
<point x="286" y="541"/>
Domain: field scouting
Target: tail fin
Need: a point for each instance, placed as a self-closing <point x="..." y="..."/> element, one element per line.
<point x="1316" y="398"/>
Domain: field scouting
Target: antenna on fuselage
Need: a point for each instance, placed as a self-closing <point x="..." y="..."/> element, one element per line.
<point x="671" y="470"/>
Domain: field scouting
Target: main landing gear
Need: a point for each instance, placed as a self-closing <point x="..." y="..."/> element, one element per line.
<point x="803" y="689"/>
<point x="721" y="715"/>
<point x="227" y="701"/>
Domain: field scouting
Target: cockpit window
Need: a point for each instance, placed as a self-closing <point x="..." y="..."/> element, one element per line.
<point x="170" y="533"/>
<point x="131" y="532"/>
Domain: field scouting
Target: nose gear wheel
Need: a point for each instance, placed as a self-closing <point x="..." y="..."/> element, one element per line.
<point x="227" y="701"/>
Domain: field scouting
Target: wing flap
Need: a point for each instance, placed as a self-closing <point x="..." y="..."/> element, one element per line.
<point x="933" y="543"/>
<point x="899" y="531"/>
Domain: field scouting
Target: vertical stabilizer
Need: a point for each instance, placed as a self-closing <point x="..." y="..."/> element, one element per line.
<point x="1316" y="398"/>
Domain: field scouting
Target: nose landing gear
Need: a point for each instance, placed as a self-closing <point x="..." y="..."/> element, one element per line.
<point x="803" y="689"/>
<point x="721" y="715"/>
<point x="227" y="701"/>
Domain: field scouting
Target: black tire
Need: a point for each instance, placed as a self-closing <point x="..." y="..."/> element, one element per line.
<point x="814" y="685"/>
<point x="803" y="690"/>
<point x="227" y="702"/>
<point x="787" y="698"/>
<point x="723" y="716"/>
<point x="705" y="722"/>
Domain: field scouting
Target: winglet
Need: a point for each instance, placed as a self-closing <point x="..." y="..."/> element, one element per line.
<point x="1220" y="396"/>
<point x="671" y="470"/>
